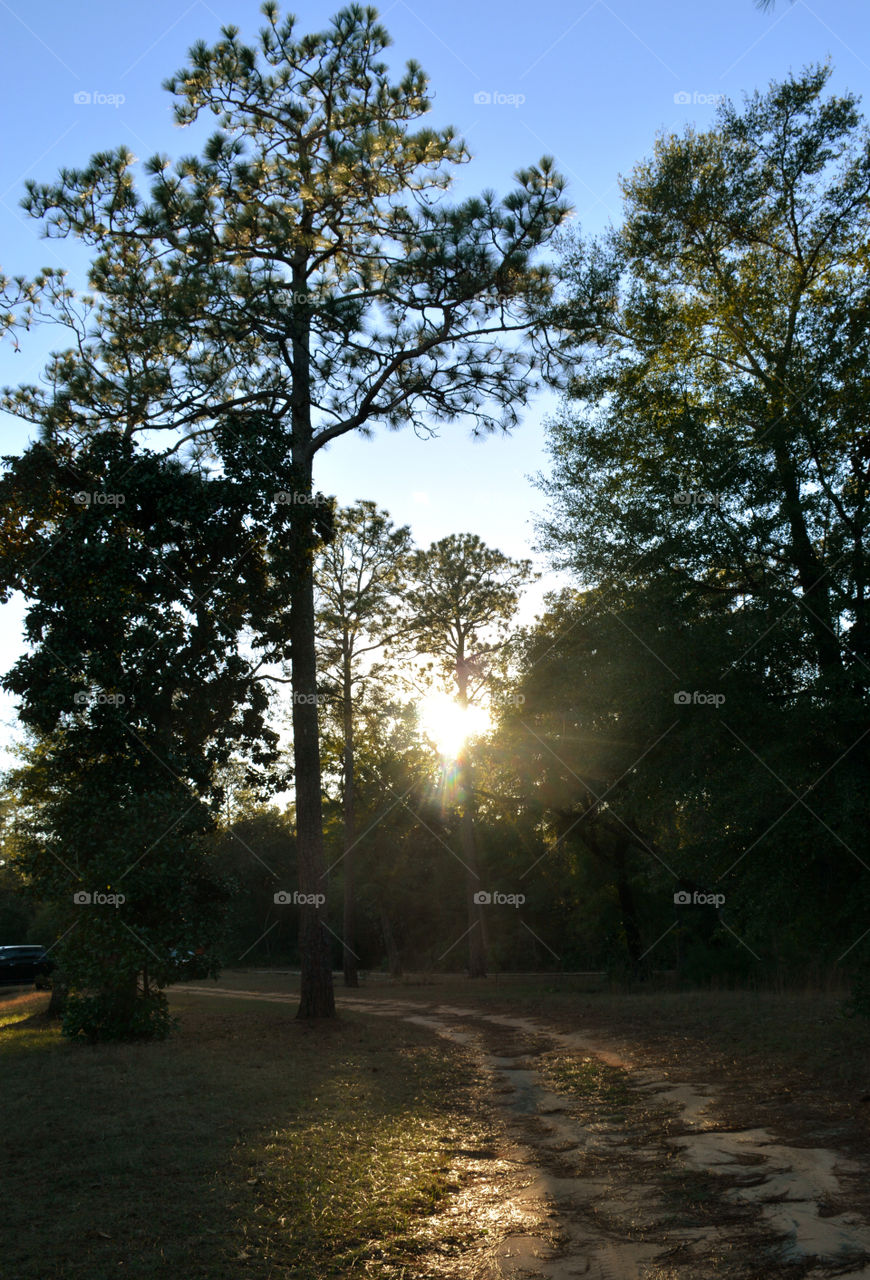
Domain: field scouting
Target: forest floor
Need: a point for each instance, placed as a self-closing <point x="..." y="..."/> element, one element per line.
<point x="486" y="1130"/>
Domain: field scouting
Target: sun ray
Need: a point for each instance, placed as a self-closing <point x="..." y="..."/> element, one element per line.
<point x="448" y="725"/>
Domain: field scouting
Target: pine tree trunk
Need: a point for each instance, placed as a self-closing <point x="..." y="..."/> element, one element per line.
<point x="393" y="958"/>
<point x="317" y="998"/>
<point x="59" y="993"/>
<point x="476" y="934"/>
<point x="351" y="974"/>
<point x="628" y="910"/>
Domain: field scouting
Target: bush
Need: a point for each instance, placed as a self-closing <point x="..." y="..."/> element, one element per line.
<point x="111" y="1016"/>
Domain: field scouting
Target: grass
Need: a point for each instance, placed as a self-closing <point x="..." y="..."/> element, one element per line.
<point x="247" y="1146"/>
<point x="802" y="1065"/>
<point x="19" y="1007"/>
<point x="254" y="1147"/>
<point x="794" y="1054"/>
<point x="602" y="1088"/>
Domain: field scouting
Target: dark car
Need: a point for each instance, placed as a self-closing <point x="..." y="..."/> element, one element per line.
<point x="189" y="964"/>
<point x="22" y="965"/>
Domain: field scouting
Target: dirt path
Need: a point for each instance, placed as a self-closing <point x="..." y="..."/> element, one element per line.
<point x="647" y="1186"/>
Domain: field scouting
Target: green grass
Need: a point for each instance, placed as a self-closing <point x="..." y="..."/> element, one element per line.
<point x="247" y="1146"/>
<point x="591" y="1081"/>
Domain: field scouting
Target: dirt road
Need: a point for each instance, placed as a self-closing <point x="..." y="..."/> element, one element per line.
<point x="640" y="1183"/>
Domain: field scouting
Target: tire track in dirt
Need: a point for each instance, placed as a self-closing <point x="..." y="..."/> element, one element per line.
<point x="595" y="1197"/>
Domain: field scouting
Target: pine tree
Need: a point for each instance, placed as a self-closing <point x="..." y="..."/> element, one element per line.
<point x="305" y="278"/>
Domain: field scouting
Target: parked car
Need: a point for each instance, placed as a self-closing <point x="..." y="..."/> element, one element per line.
<point x="22" y="965"/>
<point x="189" y="964"/>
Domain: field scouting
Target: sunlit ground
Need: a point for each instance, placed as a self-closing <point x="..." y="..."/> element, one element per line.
<point x="247" y="1145"/>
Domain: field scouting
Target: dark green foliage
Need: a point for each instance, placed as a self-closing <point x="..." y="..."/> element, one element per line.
<point x="710" y="488"/>
<point x="141" y="575"/>
<point x="256" y="853"/>
<point x="101" y="1019"/>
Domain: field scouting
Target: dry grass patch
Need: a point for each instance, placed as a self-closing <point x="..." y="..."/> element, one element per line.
<point x="247" y="1146"/>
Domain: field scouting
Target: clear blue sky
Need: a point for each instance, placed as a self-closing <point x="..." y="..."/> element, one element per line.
<point x="590" y="83"/>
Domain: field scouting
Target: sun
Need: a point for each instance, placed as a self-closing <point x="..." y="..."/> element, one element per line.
<point x="448" y="725"/>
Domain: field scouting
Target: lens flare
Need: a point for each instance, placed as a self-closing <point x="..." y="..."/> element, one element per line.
<point x="448" y="725"/>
